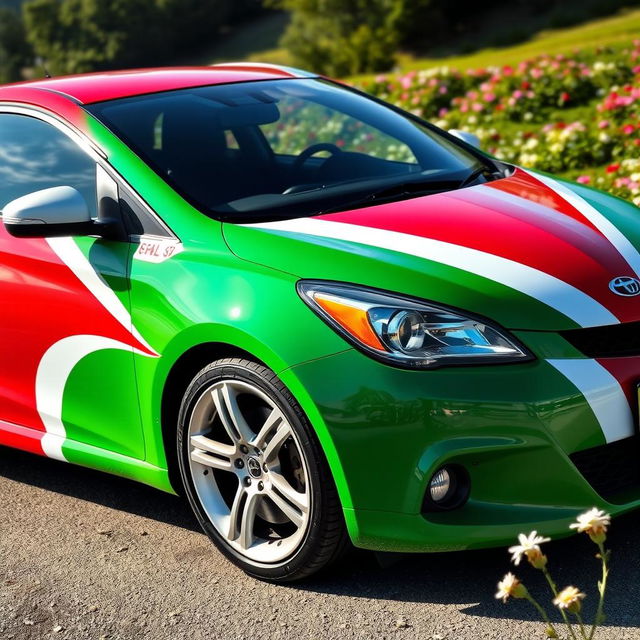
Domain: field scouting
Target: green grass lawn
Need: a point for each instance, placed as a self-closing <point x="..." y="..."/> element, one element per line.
<point x="601" y="32"/>
<point x="258" y="41"/>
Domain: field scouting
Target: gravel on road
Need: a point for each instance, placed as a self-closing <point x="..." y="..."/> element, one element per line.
<point x="87" y="555"/>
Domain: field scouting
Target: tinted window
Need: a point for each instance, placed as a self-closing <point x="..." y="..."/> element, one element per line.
<point x="279" y="147"/>
<point x="35" y="155"/>
<point x="303" y="123"/>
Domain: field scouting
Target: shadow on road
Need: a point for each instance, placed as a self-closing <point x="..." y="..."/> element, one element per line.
<point x="468" y="579"/>
<point x="464" y="579"/>
<point x="94" y="486"/>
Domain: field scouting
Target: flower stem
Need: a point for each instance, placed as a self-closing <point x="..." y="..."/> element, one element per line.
<point x="583" y="631"/>
<point x="602" y="586"/>
<point x="554" y="590"/>
<point x="542" y="612"/>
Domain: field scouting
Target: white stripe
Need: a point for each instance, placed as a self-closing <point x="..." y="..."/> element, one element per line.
<point x="54" y="369"/>
<point x="603" y="393"/>
<point x="559" y="295"/>
<point x="69" y="252"/>
<point x="59" y="360"/>
<point x="600" y="222"/>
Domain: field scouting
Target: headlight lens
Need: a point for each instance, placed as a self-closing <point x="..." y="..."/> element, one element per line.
<point x="406" y="332"/>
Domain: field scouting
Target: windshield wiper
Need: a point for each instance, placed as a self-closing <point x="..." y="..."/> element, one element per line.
<point x="476" y="173"/>
<point x="410" y="188"/>
<point x="396" y="192"/>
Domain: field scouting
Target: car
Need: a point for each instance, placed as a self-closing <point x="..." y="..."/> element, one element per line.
<point x="323" y="320"/>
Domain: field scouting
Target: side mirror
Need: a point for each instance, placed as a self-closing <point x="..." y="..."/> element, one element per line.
<point x="465" y="136"/>
<point x="59" y="211"/>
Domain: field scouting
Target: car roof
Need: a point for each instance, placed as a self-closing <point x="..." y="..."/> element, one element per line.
<point x="110" y="85"/>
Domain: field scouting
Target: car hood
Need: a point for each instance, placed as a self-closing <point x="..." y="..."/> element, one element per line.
<point x="528" y="251"/>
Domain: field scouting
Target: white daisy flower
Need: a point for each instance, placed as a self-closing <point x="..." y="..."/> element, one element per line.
<point x="594" y="522"/>
<point x="529" y="546"/>
<point x="510" y="586"/>
<point x="569" y="598"/>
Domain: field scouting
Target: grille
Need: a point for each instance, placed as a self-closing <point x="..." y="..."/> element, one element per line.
<point x="606" y="342"/>
<point x="611" y="469"/>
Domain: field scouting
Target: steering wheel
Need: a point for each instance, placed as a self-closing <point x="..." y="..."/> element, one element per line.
<point x="296" y="167"/>
<point x="312" y="150"/>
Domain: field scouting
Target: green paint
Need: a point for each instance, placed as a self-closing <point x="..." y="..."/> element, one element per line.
<point x="326" y="258"/>
<point x="105" y="413"/>
<point x="384" y="431"/>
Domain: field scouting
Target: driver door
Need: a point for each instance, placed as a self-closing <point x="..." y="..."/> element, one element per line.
<point x="67" y="385"/>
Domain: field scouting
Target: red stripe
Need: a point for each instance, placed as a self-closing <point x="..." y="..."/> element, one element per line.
<point x="48" y="303"/>
<point x="524" y="185"/>
<point x="559" y="242"/>
<point x="12" y="435"/>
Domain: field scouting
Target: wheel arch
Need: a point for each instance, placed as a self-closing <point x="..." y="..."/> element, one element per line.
<point x="198" y="356"/>
<point x="178" y="379"/>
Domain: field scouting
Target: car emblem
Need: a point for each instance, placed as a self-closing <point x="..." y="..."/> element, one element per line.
<point x="625" y="286"/>
<point x="253" y="466"/>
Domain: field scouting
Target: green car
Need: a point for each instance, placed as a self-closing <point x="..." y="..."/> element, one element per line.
<point x="323" y="320"/>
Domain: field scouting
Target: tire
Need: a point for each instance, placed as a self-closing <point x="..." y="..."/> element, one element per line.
<point x="255" y="475"/>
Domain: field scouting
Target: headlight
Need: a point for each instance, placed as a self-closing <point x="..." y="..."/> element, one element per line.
<point x="407" y="332"/>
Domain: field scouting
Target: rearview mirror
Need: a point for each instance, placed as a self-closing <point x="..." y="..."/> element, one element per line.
<point x="466" y="136"/>
<point x="59" y="211"/>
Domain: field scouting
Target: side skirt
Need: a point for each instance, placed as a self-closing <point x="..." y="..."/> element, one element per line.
<point x="27" y="439"/>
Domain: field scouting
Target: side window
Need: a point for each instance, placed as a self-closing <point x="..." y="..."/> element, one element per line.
<point x="35" y="155"/>
<point x="138" y="219"/>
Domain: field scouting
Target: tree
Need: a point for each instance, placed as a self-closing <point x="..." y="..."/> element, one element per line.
<point x="75" y="36"/>
<point x="344" y="37"/>
<point x="14" y="50"/>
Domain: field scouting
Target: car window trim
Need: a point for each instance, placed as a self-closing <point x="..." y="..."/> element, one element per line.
<point x="224" y="215"/>
<point x="92" y="150"/>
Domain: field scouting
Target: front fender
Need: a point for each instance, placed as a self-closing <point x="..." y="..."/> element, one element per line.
<point x="195" y="299"/>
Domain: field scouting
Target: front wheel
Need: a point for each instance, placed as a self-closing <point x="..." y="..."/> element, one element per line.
<point x="255" y="475"/>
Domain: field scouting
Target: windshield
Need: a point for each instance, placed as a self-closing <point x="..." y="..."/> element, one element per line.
<point x="283" y="148"/>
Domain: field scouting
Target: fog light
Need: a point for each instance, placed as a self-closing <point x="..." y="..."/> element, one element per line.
<point x="440" y="485"/>
<point x="448" y="489"/>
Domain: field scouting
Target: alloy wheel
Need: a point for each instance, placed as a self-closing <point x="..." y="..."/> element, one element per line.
<point x="249" y="471"/>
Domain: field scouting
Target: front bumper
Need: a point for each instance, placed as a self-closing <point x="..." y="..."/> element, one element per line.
<point x="513" y="427"/>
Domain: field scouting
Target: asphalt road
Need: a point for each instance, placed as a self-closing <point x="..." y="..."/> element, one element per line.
<point x="86" y="555"/>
